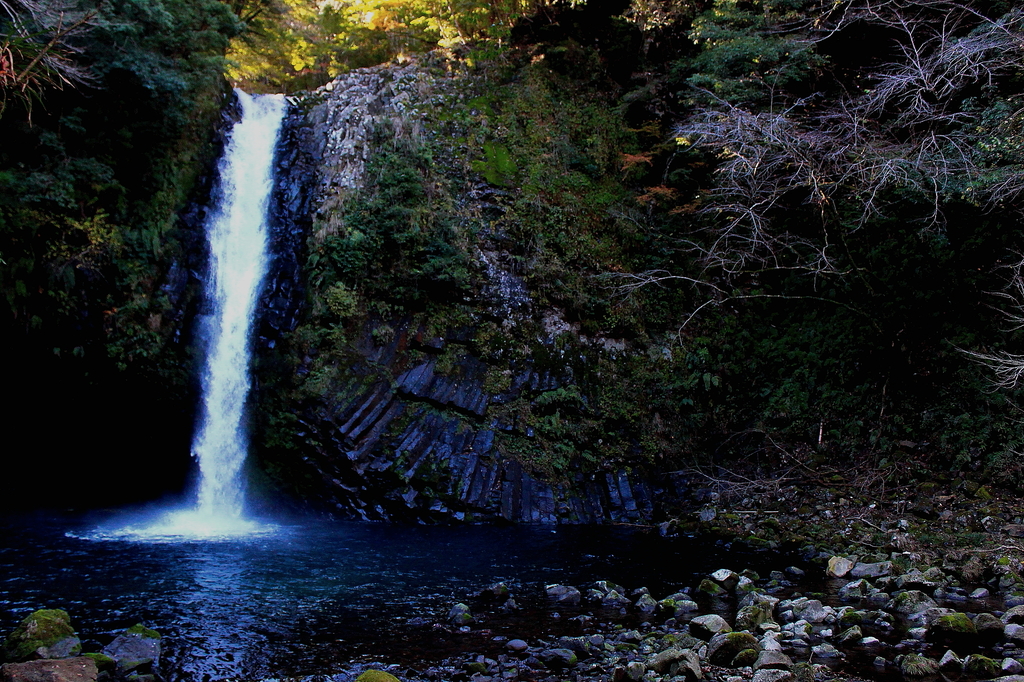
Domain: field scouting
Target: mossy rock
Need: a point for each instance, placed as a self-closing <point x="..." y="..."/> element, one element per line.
<point x="712" y="588"/>
<point x="954" y="628"/>
<point x="745" y="658"/>
<point x="104" y="663"/>
<point x="722" y="649"/>
<point x="140" y="630"/>
<point x="916" y="665"/>
<point x="46" y="633"/>
<point x="377" y="676"/>
<point x="982" y="667"/>
<point x="749" y="617"/>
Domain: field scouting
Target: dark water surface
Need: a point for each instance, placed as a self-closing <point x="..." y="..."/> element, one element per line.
<point x="313" y="591"/>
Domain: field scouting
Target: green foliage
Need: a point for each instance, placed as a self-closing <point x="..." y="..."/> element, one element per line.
<point x="394" y="243"/>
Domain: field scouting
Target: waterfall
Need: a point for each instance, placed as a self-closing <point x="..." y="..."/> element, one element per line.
<point x="237" y="235"/>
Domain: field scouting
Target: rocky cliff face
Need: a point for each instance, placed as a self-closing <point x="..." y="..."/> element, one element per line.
<point x="402" y="414"/>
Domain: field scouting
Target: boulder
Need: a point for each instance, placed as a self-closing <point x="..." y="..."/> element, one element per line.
<point x="1014" y="615"/>
<point x="672" y="659"/>
<point x="135" y="650"/>
<point x="876" y="570"/>
<point x="916" y="665"/>
<point x="955" y="629"/>
<point x="563" y="594"/>
<point x="810" y="610"/>
<point x="46" y="633"/>
<point x="373" y="675"/>
<point x="990" y="628"/>
<point x="726" y="578"/>
<point x="79" y="669"/>
<point x="911" y="602"/>
<point x="646" y="605"/>
<point x="950" y="662"/>
<point x="773" y="660"/>
<point x="1014" y="633"/>
<point x="1011" y="666"/>
<point x="772" y="675"/>
<point x="838" y="567"/>
<point x="557" y="659"/>
<point x="826" y="651"/>
<point x="858" y="589"/>
<point x="745" y="659"/>
<point x="708" y="626"/>
<point x="460" y="615"/>
<point x="615" y="600"/>
<point x="712" y="588"/>
<point x="749" y="617"/>
<point x="517" y="645"/>
<point x="724" y="647"/>
<point x="982" y="666"/>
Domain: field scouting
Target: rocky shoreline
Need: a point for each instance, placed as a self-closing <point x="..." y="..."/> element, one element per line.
<point x="921" y="582"/>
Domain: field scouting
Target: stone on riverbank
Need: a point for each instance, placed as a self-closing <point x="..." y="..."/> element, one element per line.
<point x="46" y="633"/>
<point x="876" y="570"/>
<point x="79" y="669"/>
<point x="460" y="615"/>
<point x="916" y="665"/>
<point x="706" y="627"/>
<point x="954" y="629"/>
<point x="136" y="649"/>
<point x="838" y="567"/>
<point x="724" y="647"/>
<point x="562" y="594"/>
<point x="982" y="666"/>
<point x="372" y="675"/>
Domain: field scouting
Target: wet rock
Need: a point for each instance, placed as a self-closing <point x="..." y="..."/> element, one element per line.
<point x="1011" y="666"/>
<point x="615" y="600"/>
<point x="562" y="594"/>
<point x="989" y="627"/>
<point x="712" y="588"/>
<point x="876" y="570"/>
<point x="950" y="662"/>
<point x="838" y="567"/>
<point x="137" y="649"/>
<point x="669" y="660"/>
<point x="578" y="645"/>
<point x="460" y="615"/>
<point x="646" y="605"/>
<point x="772" y="675"/>
<point x="1014" y="615"/>
<point x="46" y="633"/>
<point x="724" y="647"/>
<point x="773" y="660"/>
<point x="982" y="666"/>
<point x="954" y="629"/>
<point x="1014" y="633"/>
<point x="851" y="635"/>
<point x="80" y="669"/>
<point x="635" y="670"/>
<point x="750" y="617"/>
<point x="373" y="675"/>
<point x="911" y="602"/>
<point x="980" y="593"/>
<point x="726" y="578"/>
<point x="707" y="626"/>
<point x="517" y="645"/>
<point x="745" y="658"/>
<point x="916" y="665"/>
<point x="825" y="651"/>
<point x="557" y="659"/>
<point x="810" y="610"/>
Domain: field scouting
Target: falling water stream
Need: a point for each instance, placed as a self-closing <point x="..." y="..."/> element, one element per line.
<point x="237" y="235"/>
<point x="238" y="261"/>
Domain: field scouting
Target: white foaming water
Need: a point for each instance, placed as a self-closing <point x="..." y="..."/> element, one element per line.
<point x="237" y="234"/>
